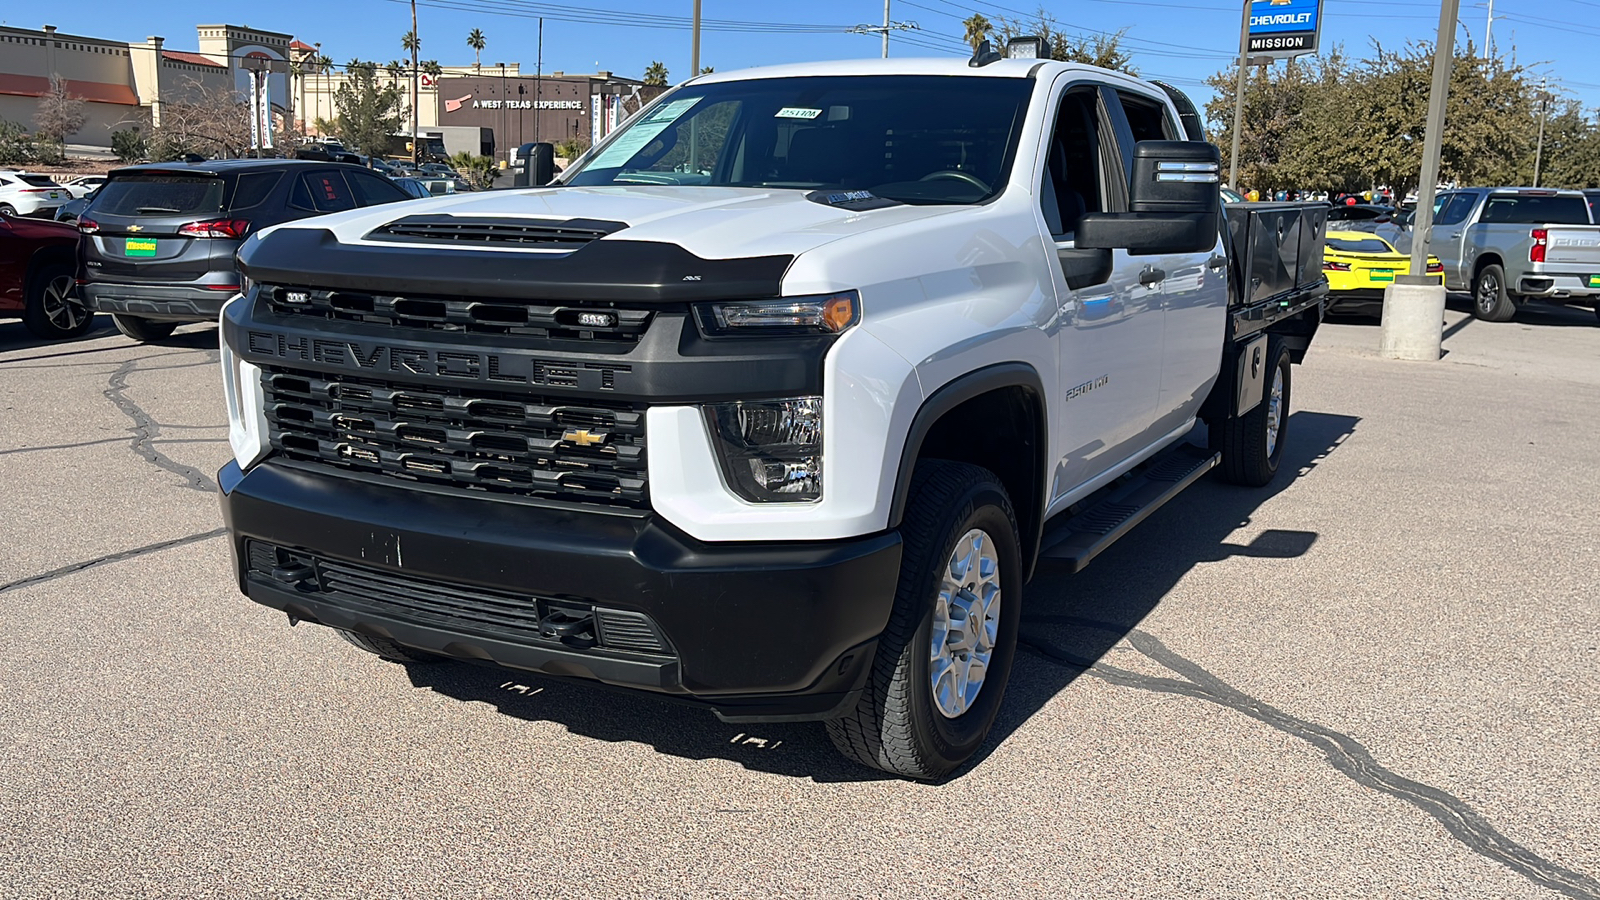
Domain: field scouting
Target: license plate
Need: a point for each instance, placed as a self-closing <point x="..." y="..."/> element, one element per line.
<point x="1381" y="274"/>
<point x="139" y="247"/>
<point x="1594" y="281"/>
<point x="54" y="195"/>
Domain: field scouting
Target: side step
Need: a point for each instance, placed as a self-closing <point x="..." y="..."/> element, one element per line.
<point x="1081" y="538"/>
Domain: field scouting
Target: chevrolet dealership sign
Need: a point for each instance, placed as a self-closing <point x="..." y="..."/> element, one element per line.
<point x="1284" y="28"/>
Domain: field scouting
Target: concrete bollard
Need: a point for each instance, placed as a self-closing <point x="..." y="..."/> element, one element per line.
<point x="1413" y="319"/>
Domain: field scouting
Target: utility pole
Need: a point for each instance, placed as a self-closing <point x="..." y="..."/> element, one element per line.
<point x="1413" y="306"/>
<point x="1238" y="97"/>
<point x="416" y="45"/>
<point x="1538" y="153"/>
<point x="884" y="29"/>
<point x="538" y="80"/>
<point x="694" y="50"/>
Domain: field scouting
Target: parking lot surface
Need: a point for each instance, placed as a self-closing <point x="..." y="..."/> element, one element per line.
<point x="1374" y="678"/>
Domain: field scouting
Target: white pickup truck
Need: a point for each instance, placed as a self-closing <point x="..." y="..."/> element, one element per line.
<point x="1509" y="246"/>
<point x="774" y="402"/>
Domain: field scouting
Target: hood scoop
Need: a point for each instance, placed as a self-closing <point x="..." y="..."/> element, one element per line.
<point x="554" y="234"/>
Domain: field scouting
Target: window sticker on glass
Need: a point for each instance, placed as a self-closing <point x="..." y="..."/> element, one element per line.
<point x="641" y="134"/>
<point x="797" y="112"/>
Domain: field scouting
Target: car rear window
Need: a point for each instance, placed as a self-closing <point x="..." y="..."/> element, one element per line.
<point x="1359" y="245"/>
<point x="38" y="181"/>
<point x="1533" y="209"/>
<point x="159" y="195"/>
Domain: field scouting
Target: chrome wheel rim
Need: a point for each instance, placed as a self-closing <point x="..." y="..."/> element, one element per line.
<point x="966" y="624"/>
<point x="1275" y="411"/>
<point x="64" y="311"/>
<point x="1488" y="293"/>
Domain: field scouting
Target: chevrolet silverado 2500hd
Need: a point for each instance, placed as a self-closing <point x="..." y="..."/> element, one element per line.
<point x="775" y="400"/>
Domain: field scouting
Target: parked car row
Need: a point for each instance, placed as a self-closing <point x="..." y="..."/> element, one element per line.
<point x="154" y="245"/>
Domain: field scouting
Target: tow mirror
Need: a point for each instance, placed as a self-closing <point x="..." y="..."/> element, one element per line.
<point x="1174" y="203"/>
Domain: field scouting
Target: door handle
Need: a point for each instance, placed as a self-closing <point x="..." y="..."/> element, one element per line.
<point x="1454" y="235"/>
<point x="1215" y="263"/>
<point x="1152" y="275"/>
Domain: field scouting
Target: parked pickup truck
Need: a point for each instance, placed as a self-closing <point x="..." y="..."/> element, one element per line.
<point x="1512" y="245"/>
<point x="775" y="401"/>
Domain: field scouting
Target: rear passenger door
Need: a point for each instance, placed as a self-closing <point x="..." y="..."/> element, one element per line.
<point x="1108" y="324"/>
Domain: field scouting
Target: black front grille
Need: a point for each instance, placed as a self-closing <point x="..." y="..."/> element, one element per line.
<point x="599" y="322"/>
<point x="480" y="440"/>
<point x="554" y="234"/>
<point x="454" y="607"/>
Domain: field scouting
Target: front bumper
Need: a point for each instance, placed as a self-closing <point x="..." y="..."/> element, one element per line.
<point x="160" y="302"/>
<point x="767" y="632"/>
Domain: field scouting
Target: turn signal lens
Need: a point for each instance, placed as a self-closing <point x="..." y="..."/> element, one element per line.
<point x="1541" y="240"/>
<point x="828" y="314"/>
<point x="1335" y="267"/>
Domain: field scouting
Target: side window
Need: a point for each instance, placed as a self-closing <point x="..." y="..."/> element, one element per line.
<point x="1147" y="119"/>
<point x="1455" y="209"/>
<point x="371" y="190"/>
<point x="253" y="187"/>
<point x="322" y="192"/>
<point x="1071" y="183"/>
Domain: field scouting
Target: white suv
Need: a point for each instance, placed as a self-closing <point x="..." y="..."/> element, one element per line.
<point x="24" y="194"/>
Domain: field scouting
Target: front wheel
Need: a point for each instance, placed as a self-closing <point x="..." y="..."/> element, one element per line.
<point x="1252" y="444"/>
<point x="143" y="330"/>
<point x="945" y="657"/>
<point x="53" y="310"/>
<point x="1490" y="300"/>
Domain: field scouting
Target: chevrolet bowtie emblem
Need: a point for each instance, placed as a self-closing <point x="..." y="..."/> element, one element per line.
<point x="135" y="227"/>
<point x="585" y="438"/>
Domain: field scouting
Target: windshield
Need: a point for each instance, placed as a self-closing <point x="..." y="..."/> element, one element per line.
<point x="916" y="139"/>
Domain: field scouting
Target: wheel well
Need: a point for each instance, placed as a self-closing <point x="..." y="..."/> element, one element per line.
<point x="1009" y="440"/>
<point x="1488" y="259"/>
<point x="46" y="256"/>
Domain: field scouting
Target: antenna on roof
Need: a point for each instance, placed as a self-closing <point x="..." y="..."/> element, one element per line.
<point x="984" y="55"/>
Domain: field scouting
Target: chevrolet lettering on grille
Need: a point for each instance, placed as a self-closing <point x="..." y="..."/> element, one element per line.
<point x="465" y="365"/>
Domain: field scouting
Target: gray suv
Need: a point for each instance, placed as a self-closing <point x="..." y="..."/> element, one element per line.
<point x="156" y="246"/>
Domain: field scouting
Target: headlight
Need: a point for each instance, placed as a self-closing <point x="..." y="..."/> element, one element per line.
<point x="247" y="419"/>
<point x="825" y="314"/>
<point x="770" y="450"/>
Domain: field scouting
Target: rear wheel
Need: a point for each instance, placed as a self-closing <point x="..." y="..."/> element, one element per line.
<point x="144" y="330"/>
<point x="8" y="209"/>
<point x="1490" y="300"/>
<point x="53" y="309"/>
<point x="387" y="649"/>
<point x="1252" y="444"/>
<point x="944" y="659"/>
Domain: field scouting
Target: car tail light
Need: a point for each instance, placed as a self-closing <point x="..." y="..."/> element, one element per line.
<point x="1434" y="268"/>
<point x="1335" y="267"/>
<point x="1541" y="240"/>
<point x="219" y="228"/>
<point x="88" y="226"/>
<point x="39" y="190"/>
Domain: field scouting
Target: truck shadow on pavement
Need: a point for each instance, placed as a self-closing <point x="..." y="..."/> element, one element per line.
<point x="1116" y="593"/>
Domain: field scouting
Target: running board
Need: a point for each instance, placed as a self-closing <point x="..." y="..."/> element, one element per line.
<point x="1081" y="538"/>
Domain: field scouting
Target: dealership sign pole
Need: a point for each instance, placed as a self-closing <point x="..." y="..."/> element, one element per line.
<point x="1272" y="29"/>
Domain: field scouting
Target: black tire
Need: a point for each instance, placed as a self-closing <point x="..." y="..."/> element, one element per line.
<point x="384" y="648"/>
<point x="53" y="310"/>
<point x="8" y="209"/>
<point x="143" y="330"/>
<point x="1249" y="454"/>
<point x="1490" y="300"/>
<point x="896" y="726"/>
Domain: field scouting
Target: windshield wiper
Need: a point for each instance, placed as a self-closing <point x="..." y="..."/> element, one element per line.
<point x="156" y="209"/>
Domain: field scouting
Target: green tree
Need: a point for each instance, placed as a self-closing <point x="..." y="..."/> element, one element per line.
<point x="479" y="171"/>
<point x="128" y="144"/>
<point x="409" y="42"/>
<point x="16" y="145"/>
<point x="433" y="70"/>
<point x="978" y="30"/>
<point x="369" y="112"/>
<point x="656" y="74"/>
<point x="476" y="41"/>
<point x="395" y="68"/>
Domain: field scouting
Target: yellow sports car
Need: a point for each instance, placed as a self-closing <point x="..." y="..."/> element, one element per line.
<point x="1359" y="265"/>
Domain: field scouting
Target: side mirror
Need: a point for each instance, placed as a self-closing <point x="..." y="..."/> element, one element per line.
<point x="1174" y="203"/>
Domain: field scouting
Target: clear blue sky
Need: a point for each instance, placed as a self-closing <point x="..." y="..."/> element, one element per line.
<point x="1179" y="41"/>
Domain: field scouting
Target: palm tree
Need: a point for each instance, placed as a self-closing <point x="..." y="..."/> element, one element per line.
<point x="477" y="43"/>
<point x="409" y="41"/>
<point x="978" y="29"/>
<point x="297" y="83"/>
<point x="433" y="70"/>
<point x="324" y="67"/>
<point x="395" y="68"/>
<point x="656" y="74"/>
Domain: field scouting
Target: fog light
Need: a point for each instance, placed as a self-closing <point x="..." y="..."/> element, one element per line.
<point x="770" y="450"/>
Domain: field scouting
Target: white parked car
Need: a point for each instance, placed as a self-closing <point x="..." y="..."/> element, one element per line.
<point x="84" y="185"/>
<point x="26" y="194"/>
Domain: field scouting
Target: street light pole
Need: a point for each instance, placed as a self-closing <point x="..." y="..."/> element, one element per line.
<point x="1413" y="306"/>
<point x="1538" y="153"/>
<point x="416" y="46"/>
<point x="694" y="49"/>
<point x="1238" y="97"/>
<point x="885" y="29"/>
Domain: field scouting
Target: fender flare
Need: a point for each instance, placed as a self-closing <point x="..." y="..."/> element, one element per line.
<point x="953" y="394"/>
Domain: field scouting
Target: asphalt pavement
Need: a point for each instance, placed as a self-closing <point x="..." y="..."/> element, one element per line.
<point x="1374" y="678"/>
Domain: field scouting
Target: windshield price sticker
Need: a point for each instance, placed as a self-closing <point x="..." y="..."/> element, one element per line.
<point x="630" y="142"/>
<point x="797" y="112"/>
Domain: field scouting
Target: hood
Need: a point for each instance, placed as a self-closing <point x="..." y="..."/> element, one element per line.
<point x="709" y="222"/>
